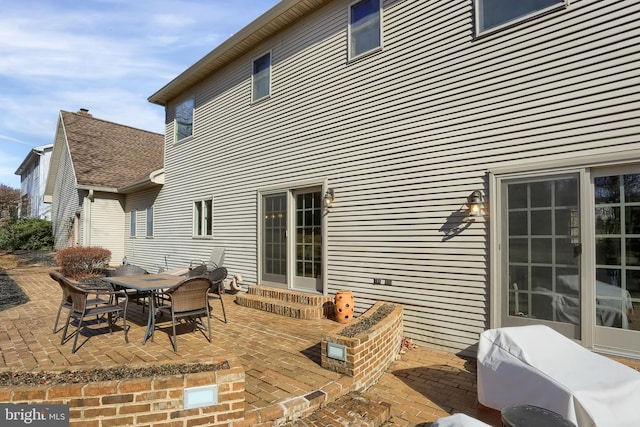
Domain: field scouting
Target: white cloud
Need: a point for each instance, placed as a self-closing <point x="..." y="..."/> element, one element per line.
<point x="105" y="55"/>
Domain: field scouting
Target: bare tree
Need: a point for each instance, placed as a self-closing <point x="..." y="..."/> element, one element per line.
<point x="9" y="202"/>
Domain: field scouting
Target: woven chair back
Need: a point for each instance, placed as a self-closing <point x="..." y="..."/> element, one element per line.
<point x="127" y="270"/>
<point x="190" y="294"/>
<point x="78" y="295"/>
<point x="58" y="277"/>
<point x="200" y="270"/>
<point x="218" y="275"/>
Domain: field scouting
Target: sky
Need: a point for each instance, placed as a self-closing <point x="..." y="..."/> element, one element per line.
<point x="107" y="56"/>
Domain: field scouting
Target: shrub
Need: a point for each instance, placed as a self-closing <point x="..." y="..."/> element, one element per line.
<point x="83" y="261"/>
<point x="26" y="234"/>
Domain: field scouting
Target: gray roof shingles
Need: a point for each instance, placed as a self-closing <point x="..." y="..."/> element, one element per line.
<point x="106" y="154"/>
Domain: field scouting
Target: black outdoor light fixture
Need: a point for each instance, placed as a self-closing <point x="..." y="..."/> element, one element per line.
<point x="475" y="201"/>
<point x="328" y="198"/>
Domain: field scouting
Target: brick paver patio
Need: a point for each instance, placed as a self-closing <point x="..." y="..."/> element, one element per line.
<point x="281" y="355"/>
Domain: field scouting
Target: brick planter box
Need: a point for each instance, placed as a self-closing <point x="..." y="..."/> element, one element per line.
<point x="370" y="352"/>
<point x="154" y="400"/>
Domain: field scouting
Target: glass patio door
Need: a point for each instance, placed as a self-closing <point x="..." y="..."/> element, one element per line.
<point x="308" y="240"/>
<point x="617" y="259"/>
<point x="274" y="239"/>
<point x="292" y="262"/>
<point x="541" y="253"/>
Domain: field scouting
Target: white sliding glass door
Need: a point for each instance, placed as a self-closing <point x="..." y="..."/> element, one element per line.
<point x="568" y="254"/>
<point x="541" y="253"/>
<point x="617" y="259"/>
<point x="291" y="233"/>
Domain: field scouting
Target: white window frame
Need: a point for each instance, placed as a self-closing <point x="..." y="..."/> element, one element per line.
<point x="150" y="221"/>
<point x="133" y="223"/>
<point x="258" y="77"/>
<point x="478" y="5"/>
<point x="203" y="219"/>
<point x="289" y="188"/>
<point x="352" y="32"/>
<point x="177" y="137"/>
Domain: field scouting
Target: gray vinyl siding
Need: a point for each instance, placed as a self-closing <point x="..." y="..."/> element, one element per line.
<point x="142" y="250"/>
<point x="403" y="136"/>
<point x="66" y="199"/>
<point x="33" y="182"/>
<point x="107" y="224"/>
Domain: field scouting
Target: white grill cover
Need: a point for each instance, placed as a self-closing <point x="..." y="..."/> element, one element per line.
<point x="459" y="420"/>
<point x="538" y="366"/>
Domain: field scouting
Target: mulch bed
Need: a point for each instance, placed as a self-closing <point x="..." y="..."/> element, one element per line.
<point x="10" y="293"/>
<point x="363" y="324"/>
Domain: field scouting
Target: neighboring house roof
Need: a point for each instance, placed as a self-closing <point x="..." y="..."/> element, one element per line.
<point x="280" y="16"/>
<point x="31" y="157"/>
<point x="105" y="155"/>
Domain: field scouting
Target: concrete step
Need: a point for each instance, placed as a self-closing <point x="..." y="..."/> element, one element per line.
<point x="353" y="410"/>
<point x="299" y="305"/>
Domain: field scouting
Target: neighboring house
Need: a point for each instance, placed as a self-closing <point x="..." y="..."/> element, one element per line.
<point x="33" y="176"/>
<point x="398" y="112"/>
<point x="94" y="166"/>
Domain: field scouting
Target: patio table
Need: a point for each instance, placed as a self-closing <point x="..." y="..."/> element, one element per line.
<point x="151" y="283"/>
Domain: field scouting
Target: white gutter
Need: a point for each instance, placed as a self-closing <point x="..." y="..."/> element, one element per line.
<point x="155" y="178"/>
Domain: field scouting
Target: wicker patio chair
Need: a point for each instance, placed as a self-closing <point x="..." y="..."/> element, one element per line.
<point x="66" y="301"/>
<point x="80" y="309"/>
<point x="188" y="299"/>
<point x="217" y="277"/>
<point x="216" y="259"/>
<point x="132" y="294"/>
<point x="199" y="270"/>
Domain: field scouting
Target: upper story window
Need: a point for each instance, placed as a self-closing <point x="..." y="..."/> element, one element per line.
<point x="203" y="218"/>
<point x="494" y="14"/>
<point x="184" y="119"/>
<point x="365" y="29"/>
<point x="150" y="221"/>
<point x="261" y="77"/>
<point x="132" y="223"/>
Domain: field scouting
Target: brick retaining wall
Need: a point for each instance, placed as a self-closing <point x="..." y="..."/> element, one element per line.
<point x="370" y="353"/>
<point x="156" y="401"/>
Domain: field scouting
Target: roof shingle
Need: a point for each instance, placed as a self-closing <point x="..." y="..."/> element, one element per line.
<point x="107" y="154"/>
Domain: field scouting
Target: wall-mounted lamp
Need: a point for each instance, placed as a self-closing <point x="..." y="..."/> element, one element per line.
<point x="475" y="201"/>
<point x="328" y="198"/>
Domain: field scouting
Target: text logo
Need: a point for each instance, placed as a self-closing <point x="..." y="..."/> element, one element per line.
<point x="34" y="415"/>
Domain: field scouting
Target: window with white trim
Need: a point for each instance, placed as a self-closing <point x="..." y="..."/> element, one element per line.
<point x="132" y="223"/>
<point x="203" y="218"/>
<point x="184" y="119"/>
<point x="261" y="77"/>
<point x="494" y="14"/>
<point x="365" y="27"/>
<point x="150" y="221"/>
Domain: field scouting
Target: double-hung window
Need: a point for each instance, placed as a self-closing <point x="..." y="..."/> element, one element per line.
<point x="261" y="77"/>
<point x="132" y="223"/>
<point x="184" y="119"/>
<point x="494" y="14"/>
<point x="203" y="218"/>
<point x="365" y="29"/>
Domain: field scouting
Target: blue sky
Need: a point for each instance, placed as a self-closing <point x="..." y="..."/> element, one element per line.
<point x="107" y="56"/>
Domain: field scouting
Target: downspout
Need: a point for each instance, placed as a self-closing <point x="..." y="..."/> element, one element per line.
<point x="40" y="184"/>
<point x="87" y="218"/>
